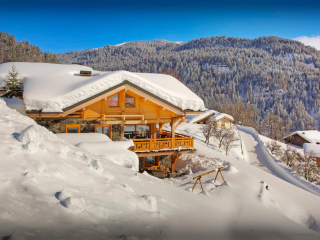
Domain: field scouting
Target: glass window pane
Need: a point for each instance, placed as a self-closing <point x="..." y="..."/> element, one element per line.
<point x="98" y="129"/>
<point x="130" y="131"/>
<point x="142" y="131"/>
<point x="129" y="101"/>
<point x="114" y="101"/>
<point x="150" y="160"/>
<point x="72" y="130"/>
<point x="106" y="131"/>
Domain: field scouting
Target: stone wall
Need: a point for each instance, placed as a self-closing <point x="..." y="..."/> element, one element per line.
<point x="116" y="132"/>
<point x="165" y="161"/>
<point x="59" y="125"/>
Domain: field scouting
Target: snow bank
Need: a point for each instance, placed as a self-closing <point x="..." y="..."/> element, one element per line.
<point x="76" y="138"/>
<point x="17" y="104"/>
<point x="53" y="87"/>
<point x="116" y="152"/>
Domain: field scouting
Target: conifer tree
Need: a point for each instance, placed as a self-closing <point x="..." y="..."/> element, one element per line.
<point x="13" y="84"/>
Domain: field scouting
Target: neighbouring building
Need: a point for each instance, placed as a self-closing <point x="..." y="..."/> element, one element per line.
<point x="298" y="138"/>
<point x="120" y="104"/>
<point x="221" y="119"/>
<point x="314" y="149"/>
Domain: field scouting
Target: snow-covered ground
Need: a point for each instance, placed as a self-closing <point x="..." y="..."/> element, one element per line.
<point x="50" y="189"/>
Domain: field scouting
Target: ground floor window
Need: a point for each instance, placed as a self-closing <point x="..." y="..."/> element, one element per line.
<point x="136" y="131"/>
<point x="72" y="128"/>
<point x="150" y="160"/>
<point x="104" y="129"/>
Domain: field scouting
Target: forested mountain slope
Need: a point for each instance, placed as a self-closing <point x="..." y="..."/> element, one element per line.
<point x="13" y="51"/>
<point x="267" y="75"/>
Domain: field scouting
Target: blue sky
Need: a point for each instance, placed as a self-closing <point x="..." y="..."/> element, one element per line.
<point x="62" y="26"/>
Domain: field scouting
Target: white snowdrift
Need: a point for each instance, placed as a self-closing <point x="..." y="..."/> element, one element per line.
<point x="76" y="138"/>
<point x="116" y="152"/>
<point x="102" y="145"/>
<point x="53" y="87"/>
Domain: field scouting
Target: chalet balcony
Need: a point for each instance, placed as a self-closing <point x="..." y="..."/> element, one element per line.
<point x="165" y="142"/>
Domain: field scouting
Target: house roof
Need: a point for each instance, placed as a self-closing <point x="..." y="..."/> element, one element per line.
<point x="197" y="118"/>
<point x="215" y="115"/>
<point x="218" y="116"/>
<point x="311" y="147"/>
<point x="312" y="136"/>
<point x="54" y="87"/>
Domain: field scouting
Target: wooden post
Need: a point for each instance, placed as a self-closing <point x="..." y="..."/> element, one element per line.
<point x="102" y="107"/>
<point x="160" y="127"/>
<point x="217" y="175"/>
<point x="174" y="159"/>
<point x="122" y="131"/>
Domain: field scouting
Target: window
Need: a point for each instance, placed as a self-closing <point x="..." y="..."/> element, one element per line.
<point x="72" y="128"/>
<point x="136" y="131"/>
<point x="150" y="160"/>
<point x="129" y="101"/>
<point x="142" y="131"/>
<point x="114" y="101"/>
<point x="103" y="129"/>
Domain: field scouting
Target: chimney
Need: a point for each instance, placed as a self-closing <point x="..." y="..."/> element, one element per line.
<point x="85" y="73"/>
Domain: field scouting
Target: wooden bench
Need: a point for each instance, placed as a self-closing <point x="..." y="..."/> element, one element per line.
<point x="200" y="176"/>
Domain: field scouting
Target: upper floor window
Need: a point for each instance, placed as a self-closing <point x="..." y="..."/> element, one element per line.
<point x="129" y="101"/>
<point x="114" y="101"/>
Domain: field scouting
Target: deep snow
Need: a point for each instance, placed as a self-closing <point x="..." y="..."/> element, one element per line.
<point x="50" y="189"/>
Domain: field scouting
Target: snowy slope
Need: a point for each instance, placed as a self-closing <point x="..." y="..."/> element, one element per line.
<point x="50" y="189"/>
<point x="53" y="87"/>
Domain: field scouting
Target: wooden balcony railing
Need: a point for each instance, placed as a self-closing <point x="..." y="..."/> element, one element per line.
<point x="158" y="144"/>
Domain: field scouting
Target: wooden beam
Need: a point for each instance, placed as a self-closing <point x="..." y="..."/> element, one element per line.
<point x="103" y="101"/>
<point x="161" y="125"/>
<point x="163" y="153"/>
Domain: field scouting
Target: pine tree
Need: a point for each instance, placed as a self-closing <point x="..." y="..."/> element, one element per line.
<point x="13" y="84"/>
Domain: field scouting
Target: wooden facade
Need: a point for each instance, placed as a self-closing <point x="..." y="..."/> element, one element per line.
<point x="224" y="122"/>
<point x="295" y="139"/>
<point x="139" y="115"/>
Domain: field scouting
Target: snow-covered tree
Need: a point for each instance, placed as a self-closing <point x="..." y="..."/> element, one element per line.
<point x="207" y="130"/>
<point x="229" y="141"/>
<point x="13" y="85"/>
<point x="307" y="166"/>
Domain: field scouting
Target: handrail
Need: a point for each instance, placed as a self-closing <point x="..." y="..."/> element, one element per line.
<point x="156" y="144"/>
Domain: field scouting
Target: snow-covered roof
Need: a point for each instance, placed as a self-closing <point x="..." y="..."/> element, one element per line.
<point x="196" y="118"/>
<point x="218" y="116"/>
<point x="312" y="136"/>
<point x="311" y="147"/>
<point x="215" y="115"/>
<point x="54" y="87"/>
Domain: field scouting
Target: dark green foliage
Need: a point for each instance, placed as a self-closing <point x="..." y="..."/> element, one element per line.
<point x="12" y="51"/>
<point x="13" y="84"/>
<point x="272" y="74"/>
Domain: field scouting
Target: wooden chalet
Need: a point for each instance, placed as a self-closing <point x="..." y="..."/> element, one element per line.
<point x="127" y="110"/>
<point x="222" y="120"/>
<point x="298" y="138"/>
